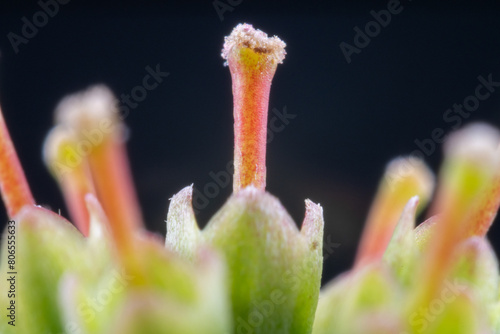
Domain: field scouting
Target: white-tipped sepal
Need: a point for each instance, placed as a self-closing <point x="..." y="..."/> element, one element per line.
<point x="183" y="232"/>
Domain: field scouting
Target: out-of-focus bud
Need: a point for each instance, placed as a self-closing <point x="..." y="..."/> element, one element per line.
<point x="179" y="297"/>
<point x="468" y="172"/>
<point x="403" y="179"/>
<point x="46" y="247"/>
<point x="71" y="171"/>
<point x="401" y="253"/>
<point x="360" y="301"/>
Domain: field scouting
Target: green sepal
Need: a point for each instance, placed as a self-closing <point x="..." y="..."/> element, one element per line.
<point x="183" y="233"/>
<point x="359" y="301"/>
<point x="401" y="252"/>
<point x="274" y="269"/>
<point x="47" y="246"/>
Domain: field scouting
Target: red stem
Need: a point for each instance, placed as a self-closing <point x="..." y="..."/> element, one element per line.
<point x="251" y="100"/>
<point x="14" y="187"/>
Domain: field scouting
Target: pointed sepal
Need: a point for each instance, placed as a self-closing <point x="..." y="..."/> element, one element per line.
<point x="273" y="268"/>
<point x="183" y="233"/>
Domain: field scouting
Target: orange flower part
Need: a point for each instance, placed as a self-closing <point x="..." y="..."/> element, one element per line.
<point x="404" y="178"/>
<point x="488" y="208"/>
<point x="466" y="177"/>
<point x="252" y="58"/>
<point x="15" y="190"/>
<point x="93" y="115"/>
<point x="60" y="153"/>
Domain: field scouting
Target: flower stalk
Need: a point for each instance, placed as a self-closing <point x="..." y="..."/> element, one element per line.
<point x="252" y="58"/>
<point x="92" y="159"/>
<point x="467" y="174"/>
<point x="15" y="190"/>
<point x="403" y="179"/>
<point x="75" y="181"/>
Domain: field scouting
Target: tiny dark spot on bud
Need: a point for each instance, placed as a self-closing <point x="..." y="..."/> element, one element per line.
<point x="246" y="44"/>
<point x="262" y="50"/>
<point x="314" y="245"/>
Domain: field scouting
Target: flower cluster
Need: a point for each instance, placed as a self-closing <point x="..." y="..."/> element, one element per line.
<point x="250" y="270"/>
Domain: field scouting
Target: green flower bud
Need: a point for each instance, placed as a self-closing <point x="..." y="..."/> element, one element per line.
<point x="46" y="246"/>
<point x="274" y="269"/>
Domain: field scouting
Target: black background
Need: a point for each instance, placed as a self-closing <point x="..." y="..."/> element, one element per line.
<point x="351" y="119"/>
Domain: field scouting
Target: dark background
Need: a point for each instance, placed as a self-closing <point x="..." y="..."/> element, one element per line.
<point x="351" y="119"/>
